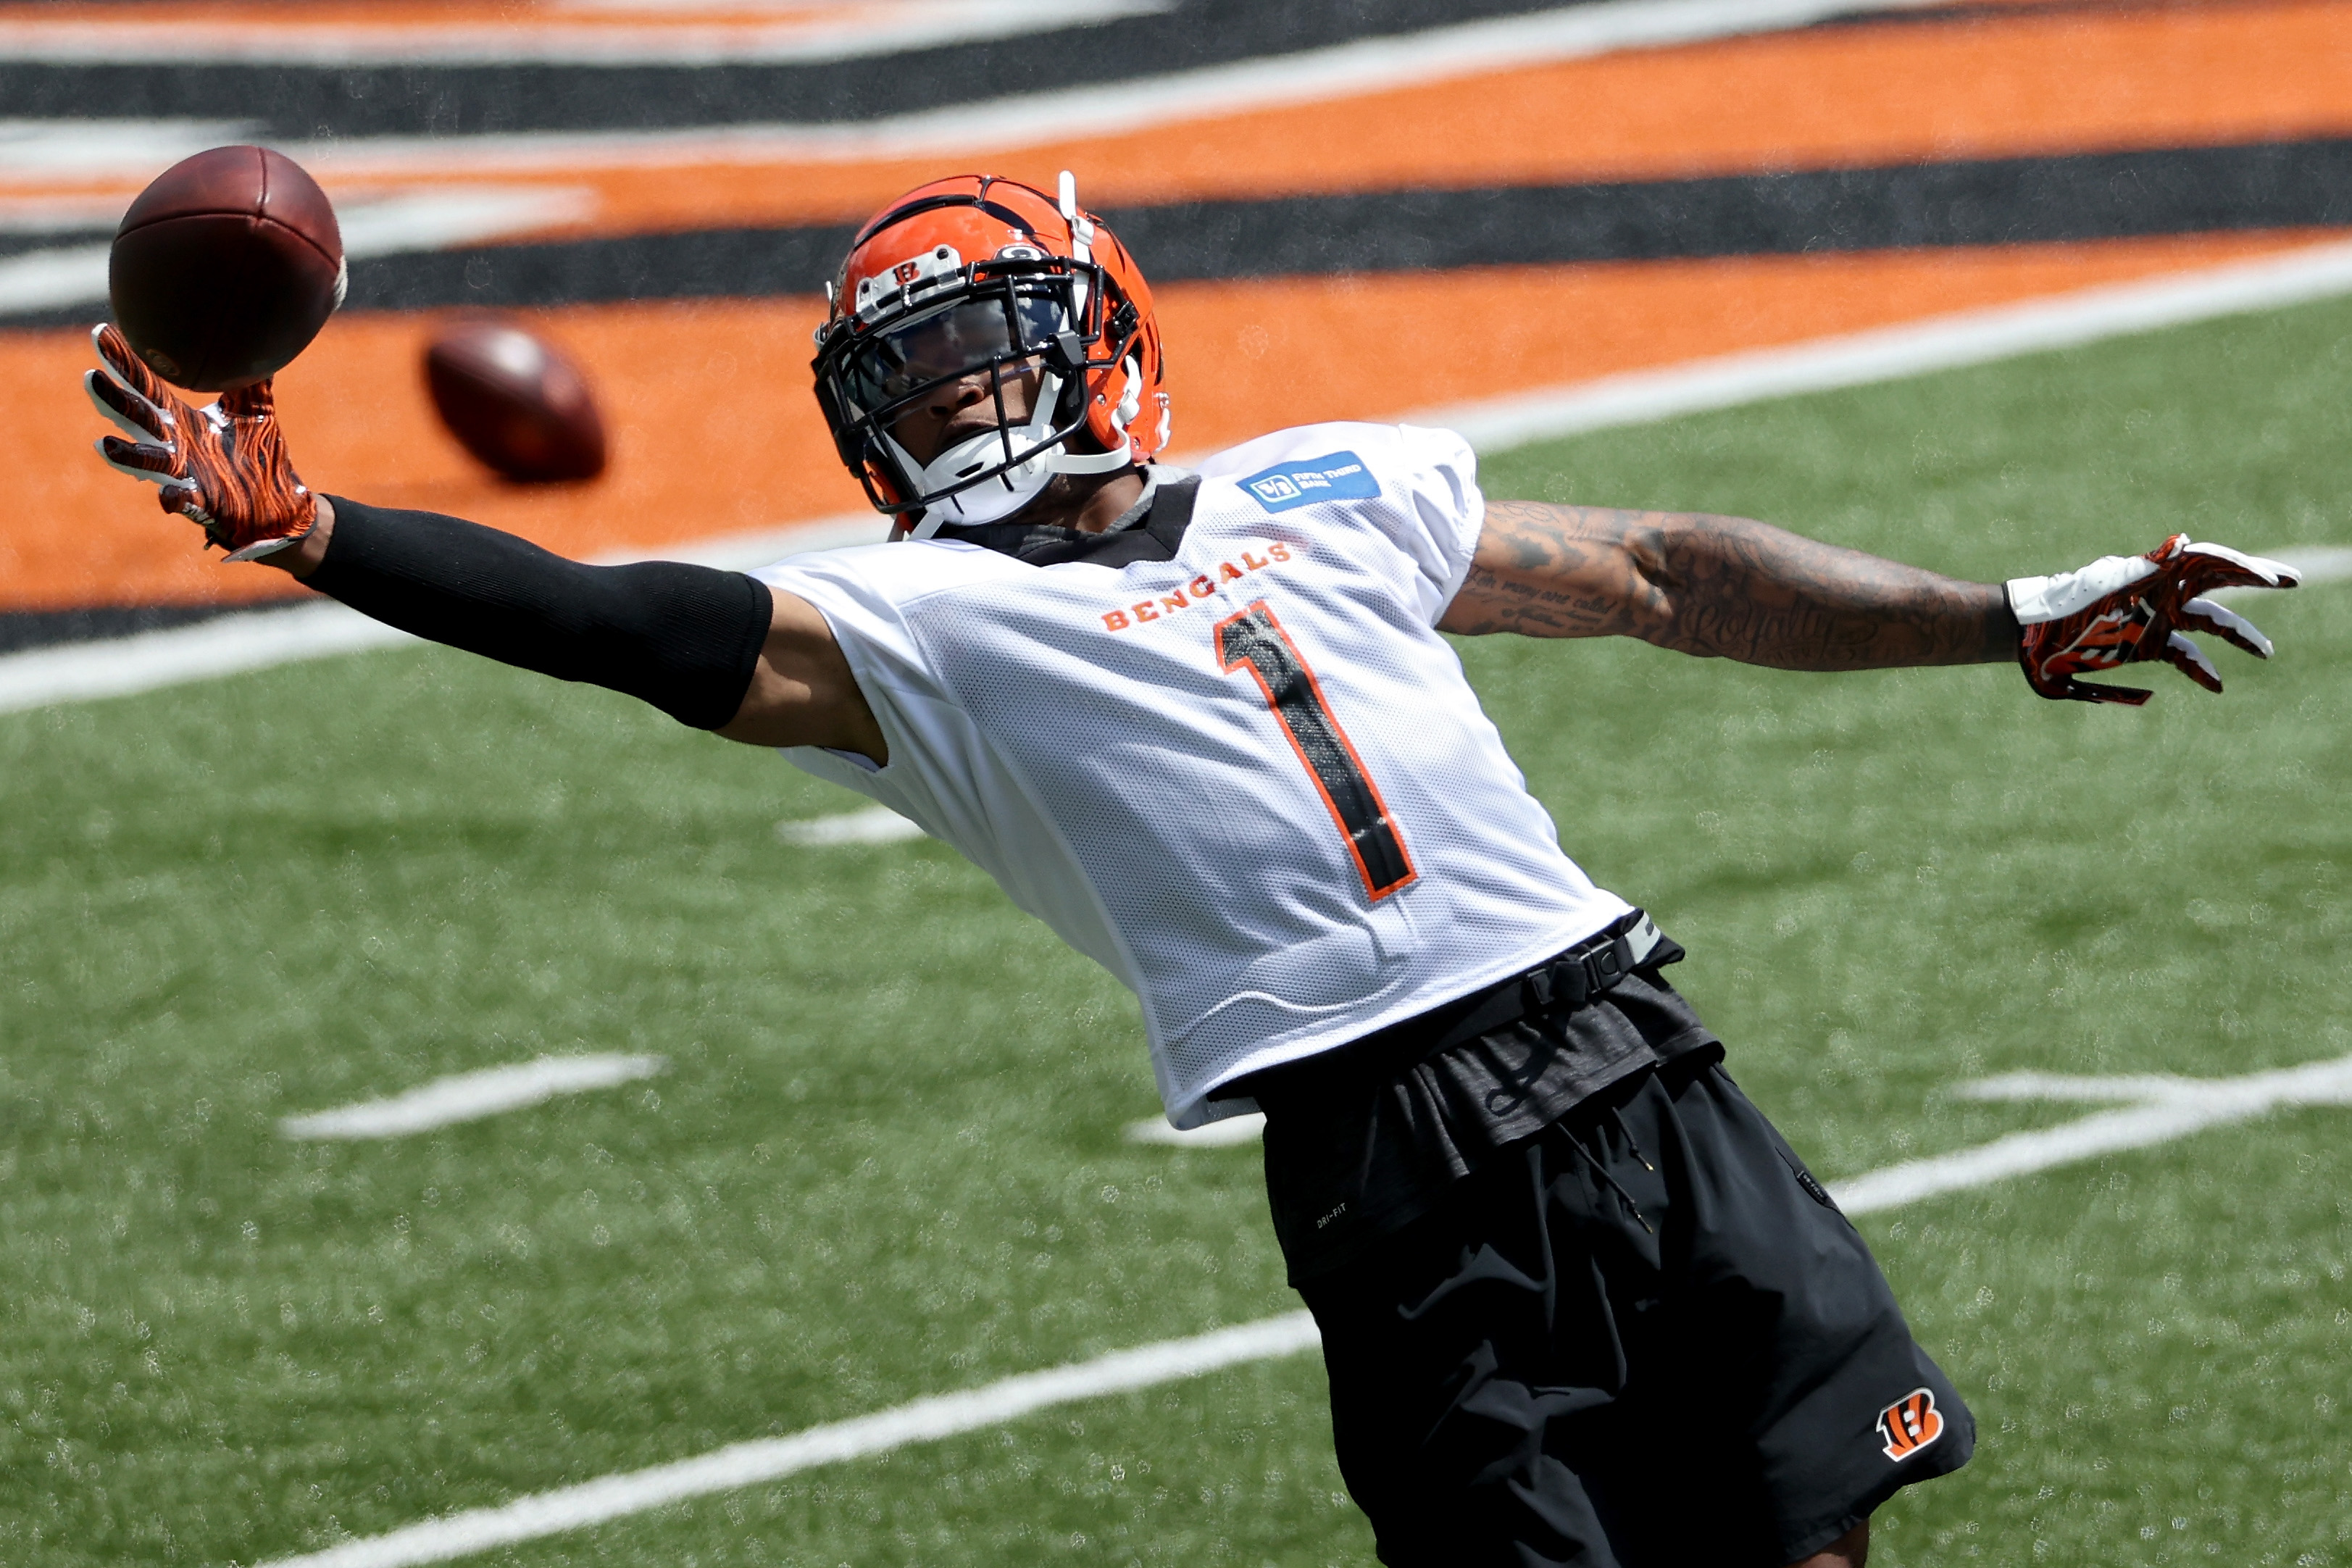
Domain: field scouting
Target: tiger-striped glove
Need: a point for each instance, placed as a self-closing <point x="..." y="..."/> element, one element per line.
<point x="2122" y="609"/>
<point x="224" y="465"/>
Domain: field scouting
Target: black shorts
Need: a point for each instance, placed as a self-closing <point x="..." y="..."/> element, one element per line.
<point x="1643" y="1339"/>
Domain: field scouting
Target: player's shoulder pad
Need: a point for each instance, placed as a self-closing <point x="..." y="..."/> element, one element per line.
<point x="899" y="572"/>
<point x="1343" y="461"/>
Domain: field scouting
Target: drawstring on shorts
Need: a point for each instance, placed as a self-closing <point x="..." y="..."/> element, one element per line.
<point x="1617" y="1113"/>
<point x="1616" y="1187"/>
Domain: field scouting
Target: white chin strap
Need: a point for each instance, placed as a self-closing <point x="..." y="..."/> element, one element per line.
<point x="993" y="501"/>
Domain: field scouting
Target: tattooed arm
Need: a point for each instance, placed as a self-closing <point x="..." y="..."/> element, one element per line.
<point x="1720" y="587"/>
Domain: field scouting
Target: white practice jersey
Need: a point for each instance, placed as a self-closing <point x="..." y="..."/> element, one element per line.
<point x="1251" y="782"/>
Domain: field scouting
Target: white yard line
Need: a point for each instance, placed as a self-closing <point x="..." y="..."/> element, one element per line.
<point x="2168" y="1108"/>
<point x="874" y="824"/>
<point x="2321" y="563"/>
<point x="1222" y="1134"/>
<point x="1898" y="352"/>
<point x="767" y="1460"/>
<point x="2161" y="1110"/>
<point x="232" y="644"/>
<point x="470" y="1095"/>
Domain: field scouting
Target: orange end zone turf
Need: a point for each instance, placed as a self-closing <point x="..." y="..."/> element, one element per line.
<point x="1924" y="88"/>
<point x="1918" y="90"/>
<point x="1888" y="93"/>
<point x="714" y="430"/>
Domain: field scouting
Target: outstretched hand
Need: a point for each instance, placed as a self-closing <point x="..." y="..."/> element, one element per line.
<point x="225" y="465"/>
<point x="2125" y="609"/>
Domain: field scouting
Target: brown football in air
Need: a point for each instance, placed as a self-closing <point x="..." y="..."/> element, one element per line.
<point x="226" y="267"/>
<point x="516" y="403"/>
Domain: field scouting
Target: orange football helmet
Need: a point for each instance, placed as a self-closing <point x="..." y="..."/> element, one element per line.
<point x="980" y="274"/>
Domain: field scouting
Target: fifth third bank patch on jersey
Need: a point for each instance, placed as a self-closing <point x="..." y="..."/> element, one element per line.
<point x="1335" y="476"/>
<point x="1252" y="780"/>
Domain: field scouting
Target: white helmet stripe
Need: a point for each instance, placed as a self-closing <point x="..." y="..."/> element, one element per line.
<point x="1081" y="229"/>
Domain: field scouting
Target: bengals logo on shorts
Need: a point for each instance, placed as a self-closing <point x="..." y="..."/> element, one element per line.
<point x="1909" y="1425"/>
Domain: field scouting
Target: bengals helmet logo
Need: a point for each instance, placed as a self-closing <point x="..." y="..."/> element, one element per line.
<point x="1910" y="1424"/>
<point x="906" y="272"/>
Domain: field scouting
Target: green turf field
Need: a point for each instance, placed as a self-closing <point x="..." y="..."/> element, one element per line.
<point x="887" y="1159"/>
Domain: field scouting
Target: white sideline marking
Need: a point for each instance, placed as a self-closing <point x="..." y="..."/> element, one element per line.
<point x="1215" y="1135"/>
<point x="470" y="1095"/>
<point x="53" y="276"/>
<point x="52" y="214"/>
<point x="2166" y="1108"/>
<point x="874" y="824"/>
<point x="39" y="149"/>
<point x="456" y="215"/>
<point x="1897" y="352"/>
<point x="259" y="639"/>
<point x="1341" y="70"/>
<point x="582" y="40"/>
<point x="767" y="1460"/>
<point x="2158" y="1109"/>
<point x="58" y="276"/>
<point x="228" y="645"/>
<point x="2324" y="563"/>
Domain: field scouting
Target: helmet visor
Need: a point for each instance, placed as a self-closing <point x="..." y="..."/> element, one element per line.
<point x="893" y="362"/>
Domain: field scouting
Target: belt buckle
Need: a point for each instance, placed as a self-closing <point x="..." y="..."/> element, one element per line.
<point x="1578" y="974"/>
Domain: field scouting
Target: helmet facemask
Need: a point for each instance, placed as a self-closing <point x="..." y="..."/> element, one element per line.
<point x="1004" y="318"/>
<point x="1054" y="307"/>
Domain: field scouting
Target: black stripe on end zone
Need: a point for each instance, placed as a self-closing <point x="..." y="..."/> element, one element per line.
<point x="696" y="264"/>
<point x="21" y="630"/>
<point x="2007" y="201"/>
<point x="301" y="101"/>
<point x="2012" y="201"/>
<point x="17" y="242"/>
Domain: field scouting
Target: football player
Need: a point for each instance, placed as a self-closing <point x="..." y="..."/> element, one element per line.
<point x="1580" y="1302"/>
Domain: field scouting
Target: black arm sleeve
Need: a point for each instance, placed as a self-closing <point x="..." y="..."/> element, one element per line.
<point x="684" y="638"/>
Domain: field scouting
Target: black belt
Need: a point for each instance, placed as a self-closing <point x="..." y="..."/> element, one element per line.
<point x="1567" y="980"/>
<point x="1564" y="982"/>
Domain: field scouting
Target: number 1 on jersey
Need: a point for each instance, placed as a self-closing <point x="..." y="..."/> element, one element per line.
<point x="1255" y="641"/>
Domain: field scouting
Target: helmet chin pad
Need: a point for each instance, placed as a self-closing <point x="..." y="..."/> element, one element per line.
<point x="989" y="500"/>
<point x="994" y="498"/>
